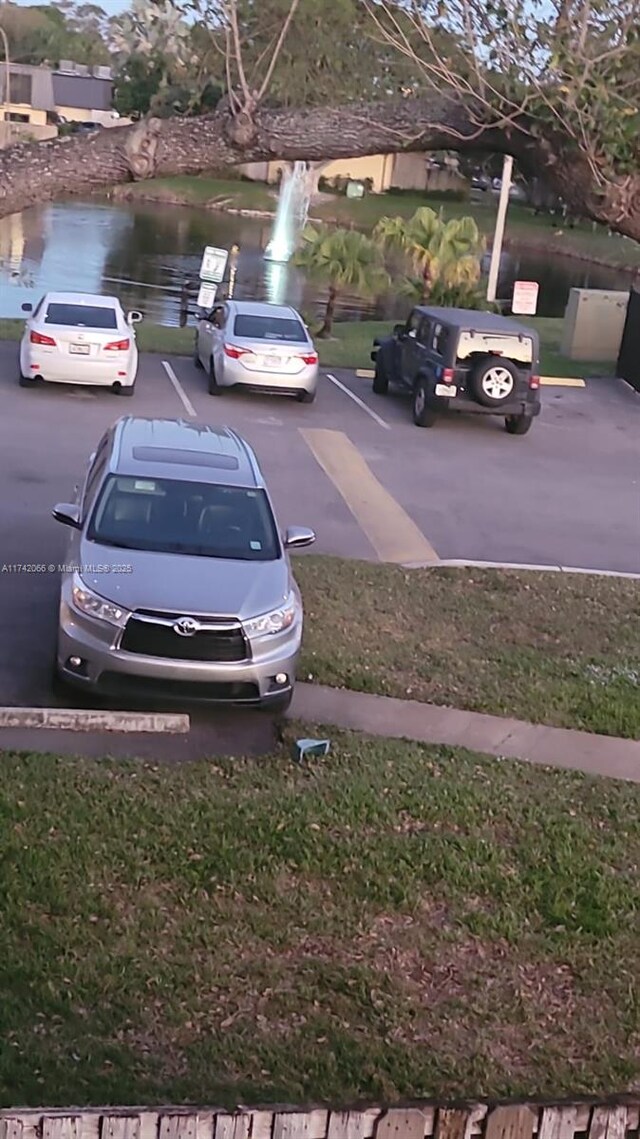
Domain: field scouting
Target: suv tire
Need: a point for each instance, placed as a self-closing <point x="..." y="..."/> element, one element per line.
<point x="493" y="381"/>
<point x="518" y="424"/>
<point x="423" y="415"/>
<point x="380" y="379"/>
<point x="306" y="397"/>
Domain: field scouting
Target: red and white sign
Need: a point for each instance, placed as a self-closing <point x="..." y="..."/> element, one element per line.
<point x="525" y="298"/>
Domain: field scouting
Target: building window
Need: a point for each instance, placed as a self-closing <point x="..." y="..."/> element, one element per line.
<point x="19" y="88"/>
<point x="14" y="117"/>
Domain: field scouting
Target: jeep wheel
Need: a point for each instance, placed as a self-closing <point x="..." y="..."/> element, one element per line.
<point x="423" y="415"/>
<point x="493" y="381"/>
<point x="380" y="379"/>
<point x="518" y="424"/>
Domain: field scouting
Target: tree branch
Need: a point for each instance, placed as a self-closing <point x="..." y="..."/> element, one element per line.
<point x="278" y="48"/>
<point x="38" y="172"/>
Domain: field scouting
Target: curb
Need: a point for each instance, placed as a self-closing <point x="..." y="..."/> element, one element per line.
<point x="461" y="563"/>
<point x="83" y="720"/>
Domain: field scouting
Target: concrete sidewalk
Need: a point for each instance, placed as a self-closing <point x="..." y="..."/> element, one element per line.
<point x="494" y="735"/>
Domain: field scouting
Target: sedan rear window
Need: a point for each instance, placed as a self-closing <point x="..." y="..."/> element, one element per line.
<point x="269" y="328"/>
<point x="81" y="316"/>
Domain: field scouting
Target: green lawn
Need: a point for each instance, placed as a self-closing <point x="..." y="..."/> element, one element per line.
<point x="394" y="921"/>
<point x="350" y="346"/>
<point x="203" y="190"/>
<point x="558" y="649"/>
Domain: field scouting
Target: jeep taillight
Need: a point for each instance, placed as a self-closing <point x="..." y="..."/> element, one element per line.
<point x="534" y="382"/>
<point x="448" y="375"/>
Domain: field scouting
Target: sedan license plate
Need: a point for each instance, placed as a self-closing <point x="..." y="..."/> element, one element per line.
<point x="79" y="349"/>
<point x="272" y="361"/>
<point x="446" y="389"/>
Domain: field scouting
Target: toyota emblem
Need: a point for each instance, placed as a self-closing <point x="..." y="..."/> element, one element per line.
<point x="185" y="627"/>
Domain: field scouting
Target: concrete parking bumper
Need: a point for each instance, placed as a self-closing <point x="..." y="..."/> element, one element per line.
<point x="85" y="720"/>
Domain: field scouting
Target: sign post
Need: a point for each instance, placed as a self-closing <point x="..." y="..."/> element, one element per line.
<point x="525" y="298"/>
<point x="498" y="236"/>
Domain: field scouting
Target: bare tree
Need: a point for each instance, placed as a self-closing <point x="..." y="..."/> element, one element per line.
<point x="560" y="79"/>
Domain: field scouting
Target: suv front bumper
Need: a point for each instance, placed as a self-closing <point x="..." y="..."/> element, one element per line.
<point x="107" y="670"/>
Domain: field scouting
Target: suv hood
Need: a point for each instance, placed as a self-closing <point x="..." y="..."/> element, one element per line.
<point x="180" y="584"/>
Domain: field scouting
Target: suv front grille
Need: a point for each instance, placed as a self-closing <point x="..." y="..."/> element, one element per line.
<point x="155" y="639"/>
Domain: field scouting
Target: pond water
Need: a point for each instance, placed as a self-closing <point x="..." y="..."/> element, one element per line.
<point x="143" y="251"/>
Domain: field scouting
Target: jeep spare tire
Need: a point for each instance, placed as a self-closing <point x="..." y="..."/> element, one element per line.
<point x="493" y="381"/>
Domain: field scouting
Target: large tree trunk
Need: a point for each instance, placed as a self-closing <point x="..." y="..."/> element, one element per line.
<point x="38" y="172"/>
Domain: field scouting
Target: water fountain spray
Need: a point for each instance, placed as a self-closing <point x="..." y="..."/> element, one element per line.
<point x="291" y="213"/>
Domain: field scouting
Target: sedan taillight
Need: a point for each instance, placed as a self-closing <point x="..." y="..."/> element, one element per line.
<point x="40" y="338"/>
<point x="235" y="353"/>
<point x="312" y="358"/>
<point x="117" y="346"/>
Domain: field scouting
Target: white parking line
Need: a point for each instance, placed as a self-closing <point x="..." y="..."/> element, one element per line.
<point x="180" y="392"/>
<point x="356" y="399"/>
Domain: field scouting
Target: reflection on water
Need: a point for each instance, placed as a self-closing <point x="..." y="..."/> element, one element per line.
<point x="143" y="252"/>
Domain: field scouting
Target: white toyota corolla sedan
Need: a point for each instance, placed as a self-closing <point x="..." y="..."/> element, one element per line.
<point x="79" y="338"/>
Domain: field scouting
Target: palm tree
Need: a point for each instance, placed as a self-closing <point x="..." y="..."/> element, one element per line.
<point x="346" y="259"/>
<point x="441" y="251"/>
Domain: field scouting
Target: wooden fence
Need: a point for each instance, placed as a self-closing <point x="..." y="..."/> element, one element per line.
<point x="417" y="1121"/>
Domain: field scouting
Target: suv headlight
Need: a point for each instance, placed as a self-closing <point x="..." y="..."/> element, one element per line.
<point x="85" y="601"/>
<point x="275" y="621"/>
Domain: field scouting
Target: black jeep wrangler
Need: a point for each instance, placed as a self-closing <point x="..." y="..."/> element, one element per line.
<point x="455" y="359"/>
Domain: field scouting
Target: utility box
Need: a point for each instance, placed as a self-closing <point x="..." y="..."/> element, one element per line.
<point x="593" y="324"/>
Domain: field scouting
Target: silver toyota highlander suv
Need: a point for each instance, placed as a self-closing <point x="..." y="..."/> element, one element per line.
<point x="177" y="580"/>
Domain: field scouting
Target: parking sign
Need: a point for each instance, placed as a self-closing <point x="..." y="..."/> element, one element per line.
<point x="206" y="296"/>
<point x="525" y="298"/>
<point x="214" y="263"/>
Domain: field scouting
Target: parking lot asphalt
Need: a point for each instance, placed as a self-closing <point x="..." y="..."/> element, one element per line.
<point x="353" y="466"/>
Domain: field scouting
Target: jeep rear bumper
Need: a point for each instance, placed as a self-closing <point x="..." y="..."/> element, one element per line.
<point x="470" y="406"/>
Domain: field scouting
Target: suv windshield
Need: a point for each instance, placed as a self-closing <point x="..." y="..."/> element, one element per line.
<point x="269" y="328"/>
<point x="81" y="316"/>
<point x="175" y="516"/>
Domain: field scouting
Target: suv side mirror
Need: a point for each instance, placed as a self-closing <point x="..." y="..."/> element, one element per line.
<point x="398" y="329"/>
<point x="68" y="514"/>
<point x="298" y="536"/>
<point x="134" y="317"/>
<point x="27" y="308"/>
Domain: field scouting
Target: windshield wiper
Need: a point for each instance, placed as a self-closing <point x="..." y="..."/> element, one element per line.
<point x="115" y="545"/>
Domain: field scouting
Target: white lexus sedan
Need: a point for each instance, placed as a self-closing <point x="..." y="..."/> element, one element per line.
<point x="79" y="338"/>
